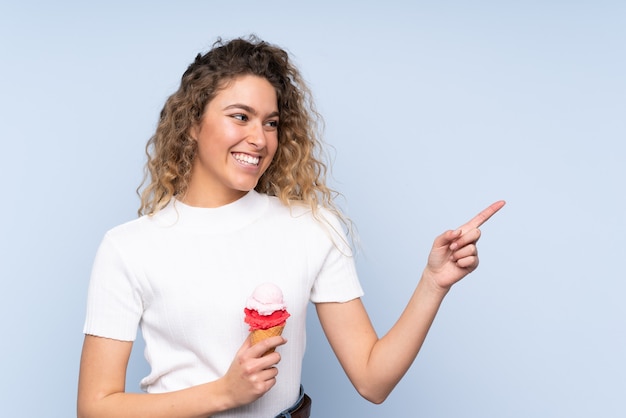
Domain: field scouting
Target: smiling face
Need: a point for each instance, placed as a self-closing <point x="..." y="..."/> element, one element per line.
<point x="237" y="138"/>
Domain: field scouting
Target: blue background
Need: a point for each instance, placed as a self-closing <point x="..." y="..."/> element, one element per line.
<point x="433" y="110"/>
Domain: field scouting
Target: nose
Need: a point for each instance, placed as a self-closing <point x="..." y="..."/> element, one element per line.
<point x="256" y="135"/>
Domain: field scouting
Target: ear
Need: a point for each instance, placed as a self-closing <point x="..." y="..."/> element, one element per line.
<point x="193" y="132"/>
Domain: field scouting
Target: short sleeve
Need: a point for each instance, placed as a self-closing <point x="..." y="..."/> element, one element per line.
<point x="114" y="300"/>
<point x="337" y="280"/>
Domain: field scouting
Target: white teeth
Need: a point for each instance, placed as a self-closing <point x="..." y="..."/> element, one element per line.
<point x="248" y="159"/>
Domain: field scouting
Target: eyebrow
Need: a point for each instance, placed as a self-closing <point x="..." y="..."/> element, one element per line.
<point x="249" y="109"/>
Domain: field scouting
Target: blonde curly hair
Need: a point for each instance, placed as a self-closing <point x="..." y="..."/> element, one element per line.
<point x="297" y="172"/>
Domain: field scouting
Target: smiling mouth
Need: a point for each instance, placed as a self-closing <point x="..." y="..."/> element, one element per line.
<point x="246" y="159"/>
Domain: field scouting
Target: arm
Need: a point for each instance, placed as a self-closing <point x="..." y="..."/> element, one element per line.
<point x="375" y="366"/>
<point x="103" y="373"/>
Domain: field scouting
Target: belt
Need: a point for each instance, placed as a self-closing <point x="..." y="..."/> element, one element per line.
<point x="301" y="409"/>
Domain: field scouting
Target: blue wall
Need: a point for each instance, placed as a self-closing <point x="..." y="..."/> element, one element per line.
<point x="434" y="110"/>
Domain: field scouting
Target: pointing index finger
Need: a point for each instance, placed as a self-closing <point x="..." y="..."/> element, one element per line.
<point x="484" y="216"/>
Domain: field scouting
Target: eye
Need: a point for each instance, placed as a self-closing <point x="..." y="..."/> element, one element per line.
<point x="273" y="124"/>
<point x="240" y="116"/>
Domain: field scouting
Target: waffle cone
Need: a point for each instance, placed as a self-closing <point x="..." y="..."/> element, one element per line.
<point x="259" y="335"/>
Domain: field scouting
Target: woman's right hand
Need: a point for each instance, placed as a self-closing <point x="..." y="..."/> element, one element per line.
<point x="252" y="374"/>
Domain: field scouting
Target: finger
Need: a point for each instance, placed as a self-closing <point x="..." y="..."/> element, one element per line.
<point x="244" y="346"/>
<point x="446" y="238"/>
<point x="484" y="216"/>
<point x="269" y="360"/>
<point x="269" y="373"/>
<point x="470" y="237"/>
<point x="467" y="251"/>
<point x="263" y="380"/>
<point x="268" y="378"/>
<point x="469" y="263"/>
<point x="263" y="346"/>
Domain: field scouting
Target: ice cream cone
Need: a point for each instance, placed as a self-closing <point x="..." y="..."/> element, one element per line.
<point x="266" y="313"/>
<point x="260" y="334"/>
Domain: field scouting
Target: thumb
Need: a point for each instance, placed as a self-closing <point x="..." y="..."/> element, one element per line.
<point x="446" y="238"/>
<point x="247" y="343"/>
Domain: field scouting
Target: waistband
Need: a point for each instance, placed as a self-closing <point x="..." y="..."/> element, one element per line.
<point x="300" y="409"/>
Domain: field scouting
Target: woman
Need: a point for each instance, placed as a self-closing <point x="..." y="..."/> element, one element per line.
<point x="236" y="198"/>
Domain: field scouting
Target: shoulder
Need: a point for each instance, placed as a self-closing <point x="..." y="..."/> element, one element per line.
<point x="321" y="225"/>
<point x="298" y="212"/>
<point x="134" y="235"/>
<point x="165" y="218"/>
<point x="128" y="229"/>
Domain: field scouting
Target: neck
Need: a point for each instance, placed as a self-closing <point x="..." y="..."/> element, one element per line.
<point x="208" y="200"/>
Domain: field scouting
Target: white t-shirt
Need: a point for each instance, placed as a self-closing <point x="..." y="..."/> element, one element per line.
<point x="184" y="274"/>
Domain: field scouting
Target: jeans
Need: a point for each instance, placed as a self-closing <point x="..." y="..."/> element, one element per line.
<point x="287" y="412"/>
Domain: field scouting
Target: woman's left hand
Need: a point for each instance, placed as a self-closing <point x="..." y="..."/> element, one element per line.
<point x="454" y="253"/>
